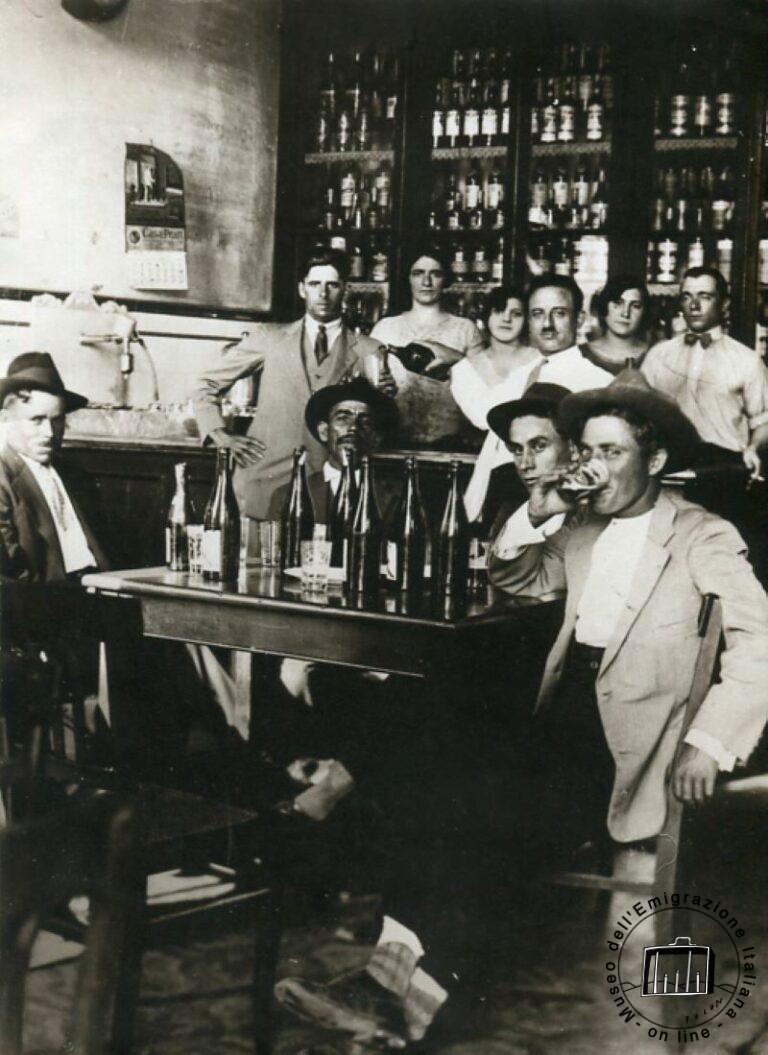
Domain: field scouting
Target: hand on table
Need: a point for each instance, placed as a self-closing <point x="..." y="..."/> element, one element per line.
<point x="246" y="450"/>
<point x="693" y="775"/>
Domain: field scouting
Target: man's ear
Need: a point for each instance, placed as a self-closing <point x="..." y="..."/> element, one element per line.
<point x="302" y="290"/>
<point x="581" y="318"/>
<point x="322" y="431"/>
<point x="657" y="461"/>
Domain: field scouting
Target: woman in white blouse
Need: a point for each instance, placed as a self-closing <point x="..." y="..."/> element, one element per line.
<point x="497" y="374"/>
<point x="428" y="413"/>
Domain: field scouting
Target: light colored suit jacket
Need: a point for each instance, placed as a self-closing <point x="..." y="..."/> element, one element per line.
<point x="647" y="668"/>
<point x="286" y="383"/>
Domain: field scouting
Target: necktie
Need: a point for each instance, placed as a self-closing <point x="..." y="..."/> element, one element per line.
<point x="704" y="339"/>
<point x="59" y="504"/>
<point x="321" y="346"/>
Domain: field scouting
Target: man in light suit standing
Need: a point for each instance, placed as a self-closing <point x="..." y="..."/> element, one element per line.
<point x="293" y="360"/>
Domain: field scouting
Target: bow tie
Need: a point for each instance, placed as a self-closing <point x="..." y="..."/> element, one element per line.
<point x="704" y="339"/>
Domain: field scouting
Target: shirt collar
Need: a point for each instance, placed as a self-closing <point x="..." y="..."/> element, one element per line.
<point x="331" y="475"/>
<point x="311" y="327"/>
<point x="568" y="355"/>
<point x="37" y="467"/>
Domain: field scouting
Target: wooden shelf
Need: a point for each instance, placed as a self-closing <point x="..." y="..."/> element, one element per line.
<point x="457" y="153"/>
<point x="689" y="143"/>
<point x="358" y="286"/>
<point x="602" y="146"/>
<point x="663" y="289"/>
<point x="337" y="156"/>
<point x="470" y="287"/>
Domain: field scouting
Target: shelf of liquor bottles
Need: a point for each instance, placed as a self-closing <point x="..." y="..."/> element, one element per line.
<point x="666" y="145"/>
<point x="350" y="156"/>
<point x="539" y="150"/>
<point x="463" y="153"/>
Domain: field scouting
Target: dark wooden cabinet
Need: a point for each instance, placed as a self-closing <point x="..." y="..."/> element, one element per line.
<point x="645" y="40"/>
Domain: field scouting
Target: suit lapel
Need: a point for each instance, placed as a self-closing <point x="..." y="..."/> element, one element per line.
<point x="653" y="560"/>
<point x="29" y="492"/>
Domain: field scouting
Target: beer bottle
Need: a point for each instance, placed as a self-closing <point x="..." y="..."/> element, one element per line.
<point x="221" y="525"/>
<point x="343" y="511"/>
<point x="176" y="556"/>
<point x="364" y="551"/>
<point x="407" y="542"/>
<point x="453" y="542"/>
<point x="298" y="519"/>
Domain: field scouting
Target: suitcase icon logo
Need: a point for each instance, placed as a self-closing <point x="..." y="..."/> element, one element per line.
<point x="678" y="969"/>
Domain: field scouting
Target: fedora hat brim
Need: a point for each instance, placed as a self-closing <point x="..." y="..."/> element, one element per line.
<point x="20" y="383"/>
<point x="325" y="399"/>
<point x="676" y="433"/>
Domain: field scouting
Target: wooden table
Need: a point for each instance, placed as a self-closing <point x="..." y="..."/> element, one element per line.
<point x="267" y="612"/>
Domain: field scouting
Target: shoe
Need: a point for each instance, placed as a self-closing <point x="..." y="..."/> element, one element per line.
<point x="352" y="1003"/>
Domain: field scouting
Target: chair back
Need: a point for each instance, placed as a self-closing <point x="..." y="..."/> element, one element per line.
<point x="92" y="850"/>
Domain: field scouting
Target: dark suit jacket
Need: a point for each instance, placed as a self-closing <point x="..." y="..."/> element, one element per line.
<point x="29" y="544"/>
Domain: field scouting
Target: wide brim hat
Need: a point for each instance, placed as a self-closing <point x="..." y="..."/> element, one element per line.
<point x="36" y="370"/>
<point x="361" y="391"/>
<point x="539" y="399"/>
<point x="630" y="391"/>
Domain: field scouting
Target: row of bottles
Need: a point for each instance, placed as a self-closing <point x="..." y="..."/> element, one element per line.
<point x="575" y="199"/>
<point x="669" y="256"/>
<point x="691" y="200"/>
<point x="585" y="258"/>
<point x="698" y="98"/>
<point x="473" y="99"/>
<point x="359" y="101"/>
<point x="573" y="98"/>
<point x="478" y="263"/>
<point x="399" y="551"/>
<point x="220" y="546"/>
<point x="472" y="201"/>
<point x="368" y="254"/>
<point x="357" y="200"/>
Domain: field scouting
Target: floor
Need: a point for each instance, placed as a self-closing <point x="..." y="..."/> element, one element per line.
<point x="542" y="989"/>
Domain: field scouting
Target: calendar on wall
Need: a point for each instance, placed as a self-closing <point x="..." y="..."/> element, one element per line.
<point x="155" y="232"/>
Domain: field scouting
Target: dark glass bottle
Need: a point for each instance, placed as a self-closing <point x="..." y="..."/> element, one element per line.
<point x="453" y="542"/>
<point x="478" y="557"/>
<point x="343" y="511"/>
<point x="176" y="555"/>
<point x="407" y="541"/>
<point x="364" y="565"/>
<point x="298" y="519"/>
<point x="221" y="525"/>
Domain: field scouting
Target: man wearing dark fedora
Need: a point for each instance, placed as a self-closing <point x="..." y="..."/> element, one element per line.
<point x="44" y="537"/>
<point x="352" y="416"/>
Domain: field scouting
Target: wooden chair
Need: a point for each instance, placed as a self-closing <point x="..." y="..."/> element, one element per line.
<point x="668" y="859"/>
<point x="94" y="850"/>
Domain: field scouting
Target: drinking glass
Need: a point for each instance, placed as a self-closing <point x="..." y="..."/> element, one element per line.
<point x="315" y="561"/>
<point x="270" y="539"/>
<point x="195" y="548"/>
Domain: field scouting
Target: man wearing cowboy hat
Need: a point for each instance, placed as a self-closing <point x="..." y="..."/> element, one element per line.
<point x="43" y="535"/>
<point x="636" y="566"/>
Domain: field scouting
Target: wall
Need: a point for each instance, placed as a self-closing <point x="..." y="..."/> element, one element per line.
<point x="195" y="78"/>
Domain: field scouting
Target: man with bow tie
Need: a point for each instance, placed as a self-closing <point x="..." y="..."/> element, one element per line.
<point x="722" y="386"/>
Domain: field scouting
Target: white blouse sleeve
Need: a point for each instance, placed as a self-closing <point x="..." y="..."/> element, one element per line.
<point x="470" y="393"/>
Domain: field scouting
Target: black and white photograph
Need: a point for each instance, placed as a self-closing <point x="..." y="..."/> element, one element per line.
<point x="383" y="527"/>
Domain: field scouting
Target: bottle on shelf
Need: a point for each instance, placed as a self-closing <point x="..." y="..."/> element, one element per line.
<point x="408" y="535"/>
<point x="345" y="130"/>
<point x="549" y="113"/>
<point x="598" y="206"/>
<point x="438" y="119"/>
<point x="343" y="510"/>
<point x="561" y="193"/>
<point x="494" y="193"/>
<point x="725" y="100"/>
<point x="722" y="201"/>
<point x="176" y="554"/>
<point x="451" y="572"/>
<point x="453" y="122"/>
<point x="595" y="124"/>
<point x="221" y="525"/>
<point x="564" y="257"/>
<point x="539" y="216"/>
<point x="585" y="86"/>
<point x="702" y="104"/>
<point x="392" y="99"/>
<point x="471" y="121"/>
<point x="696" y="255"/>
<point x="680" y="103"/>
<point x="477" y="577"/>
<point x="459" y="264"/>
<point x="298" y="515"/>
<point x="497" y="264"/>
<point x="580" y="194"/>
<point x="364" y="551"/>
<point x="481" y="265"/>
<point x="566" y="112"/>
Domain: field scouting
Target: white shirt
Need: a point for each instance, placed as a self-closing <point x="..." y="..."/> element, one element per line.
<point x="615" y="559"/>
<point x="74" y="545"/>
<point x="312" y="327"/>
<point x="570" y="369"/>
<point x="332" y="476"/>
